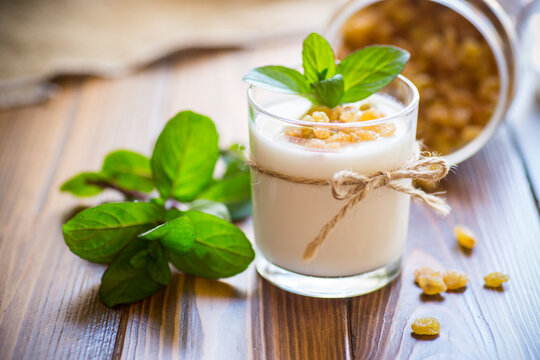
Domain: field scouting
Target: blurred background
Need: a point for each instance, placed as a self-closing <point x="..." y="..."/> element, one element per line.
<point x="469" y="58"/>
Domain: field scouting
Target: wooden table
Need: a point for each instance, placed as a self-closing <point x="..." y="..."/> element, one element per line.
<point x="49" y="307"/>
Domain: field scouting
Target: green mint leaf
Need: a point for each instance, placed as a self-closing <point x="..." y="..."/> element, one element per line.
<point x="234" y="160"/>
<point x="234" y="192"/>
<point x="220" y="249"/>
<point x="139" y="260"/>
<point x="278" y="78"/>
<point x="318" y="59"/>
<point x="99" y="233"/>
<point x="129" y="170"/>
<point x="330" y="91"/>
<point x="368" y="70"/>
<point x="210" y="207"/>
<point x="172" y="214"/>
<point x="81" y="184"/>
<point x="177" y="235"/>
<point x="184" y="157"/>
<point x="239" y="211"/>
<point x="123" y="283"/>
<point x="157" y="265"/>
<point x="236" y="167"/>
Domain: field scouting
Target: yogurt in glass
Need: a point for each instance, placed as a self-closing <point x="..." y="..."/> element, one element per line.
<point x="363" y="252"/>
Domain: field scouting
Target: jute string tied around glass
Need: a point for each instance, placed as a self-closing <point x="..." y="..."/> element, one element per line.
<point x="349" y="185"/>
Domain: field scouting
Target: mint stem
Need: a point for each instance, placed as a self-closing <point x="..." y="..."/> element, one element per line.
<point x="130" y="194"/>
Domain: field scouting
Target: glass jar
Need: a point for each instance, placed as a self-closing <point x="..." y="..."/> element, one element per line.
<point x="363" y="251"/>
<point x="496" y="24"/>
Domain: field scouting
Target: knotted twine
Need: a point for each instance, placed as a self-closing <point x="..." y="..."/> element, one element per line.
<point x="347" y="184"/>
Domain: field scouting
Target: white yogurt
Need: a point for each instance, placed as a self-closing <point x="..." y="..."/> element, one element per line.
<point x="288" y="216"/>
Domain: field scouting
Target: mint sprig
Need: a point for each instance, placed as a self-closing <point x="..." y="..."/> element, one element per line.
<point x="186" y="224"/>
<point x="359" y="75"/>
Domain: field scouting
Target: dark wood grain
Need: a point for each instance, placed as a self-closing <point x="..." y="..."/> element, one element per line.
<point x="49" y="306"/>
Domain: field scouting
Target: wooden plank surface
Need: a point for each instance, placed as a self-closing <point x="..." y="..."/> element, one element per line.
<point x="48" y="297"/>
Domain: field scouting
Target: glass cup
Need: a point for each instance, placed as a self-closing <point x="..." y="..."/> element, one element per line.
<point x="363" y="252"/>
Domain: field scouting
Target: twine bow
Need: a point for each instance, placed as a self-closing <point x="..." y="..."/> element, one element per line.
<point x="349" y="185"/>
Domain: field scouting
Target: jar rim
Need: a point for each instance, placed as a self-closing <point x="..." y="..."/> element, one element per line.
<point x="407" y="109"/>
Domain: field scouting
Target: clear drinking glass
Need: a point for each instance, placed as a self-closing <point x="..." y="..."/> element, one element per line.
<point x="363" y="252"/>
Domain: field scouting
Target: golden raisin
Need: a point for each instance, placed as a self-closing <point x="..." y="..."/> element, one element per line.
<point x="316" y="144"/>
<point x="425" y="271"/>
<point x="307" y="132"/>
<point x="442" y="42"/>
<point x="464" y="236"/>
<point x="426" y="326"/>
<point x="335" y="114"/>
<point x="495" y="279"/>
<point x="349" y="115"/>
<point x="384" y="130"/>
<point x="370" y="114"/>
<point x="322" y="132"/>
<point x="365" y="107"/>
<point x="366" y="135"/>
<point x="308" y="118"/>
<point x="324" y="109"/>
<point x="319" y="116"/>
<point x="295" y="132"/>
<point x="431" y="285"/>
<point x="335" y="137"/>
<point x="455" y="279"/>
<point x="340" y="137"/>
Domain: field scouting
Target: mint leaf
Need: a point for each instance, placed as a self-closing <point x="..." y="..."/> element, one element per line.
<point x="139" y="260"/>
<point x="184" y="156"/>
<point x="122" y="282"/>
<point x="234" y="160"/>
<point x="233" y="191"/>
<point x="236" y="166"/>
<point x="157" y="265"/>
<point x="129" y="170"/>
<point x="210" y="207"/>
<point x="81" y="184"/>
<point x="368" y="70"/>
<point x="278" y="78"/>
<point x="220" y="249"/>
<point x="177" y="235"/>
<point x="318" y="58"/>
<point x="240" y="210"/>
<point x="99" y="233"/>
<point x="330" y="91"/>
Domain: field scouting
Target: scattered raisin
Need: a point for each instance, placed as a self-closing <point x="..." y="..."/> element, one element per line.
<point x="431" y="285"/>
<point x="464" y="236"/>
<point x="455" y="279"/>
<point x="425" y="271"/>
<point x="495" y="279"/>
<point x="426" y="326"/>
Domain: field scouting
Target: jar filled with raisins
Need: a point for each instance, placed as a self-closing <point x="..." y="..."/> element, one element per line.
<point x="464" y="62"/>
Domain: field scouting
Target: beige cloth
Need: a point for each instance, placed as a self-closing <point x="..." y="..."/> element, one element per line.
<point x="42" y="39"/>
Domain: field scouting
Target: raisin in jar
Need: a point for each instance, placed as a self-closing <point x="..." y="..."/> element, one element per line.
<point x="463" y="62"/>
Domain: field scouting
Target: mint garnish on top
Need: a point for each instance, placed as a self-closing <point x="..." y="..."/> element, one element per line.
<point x="359" y="75"/>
